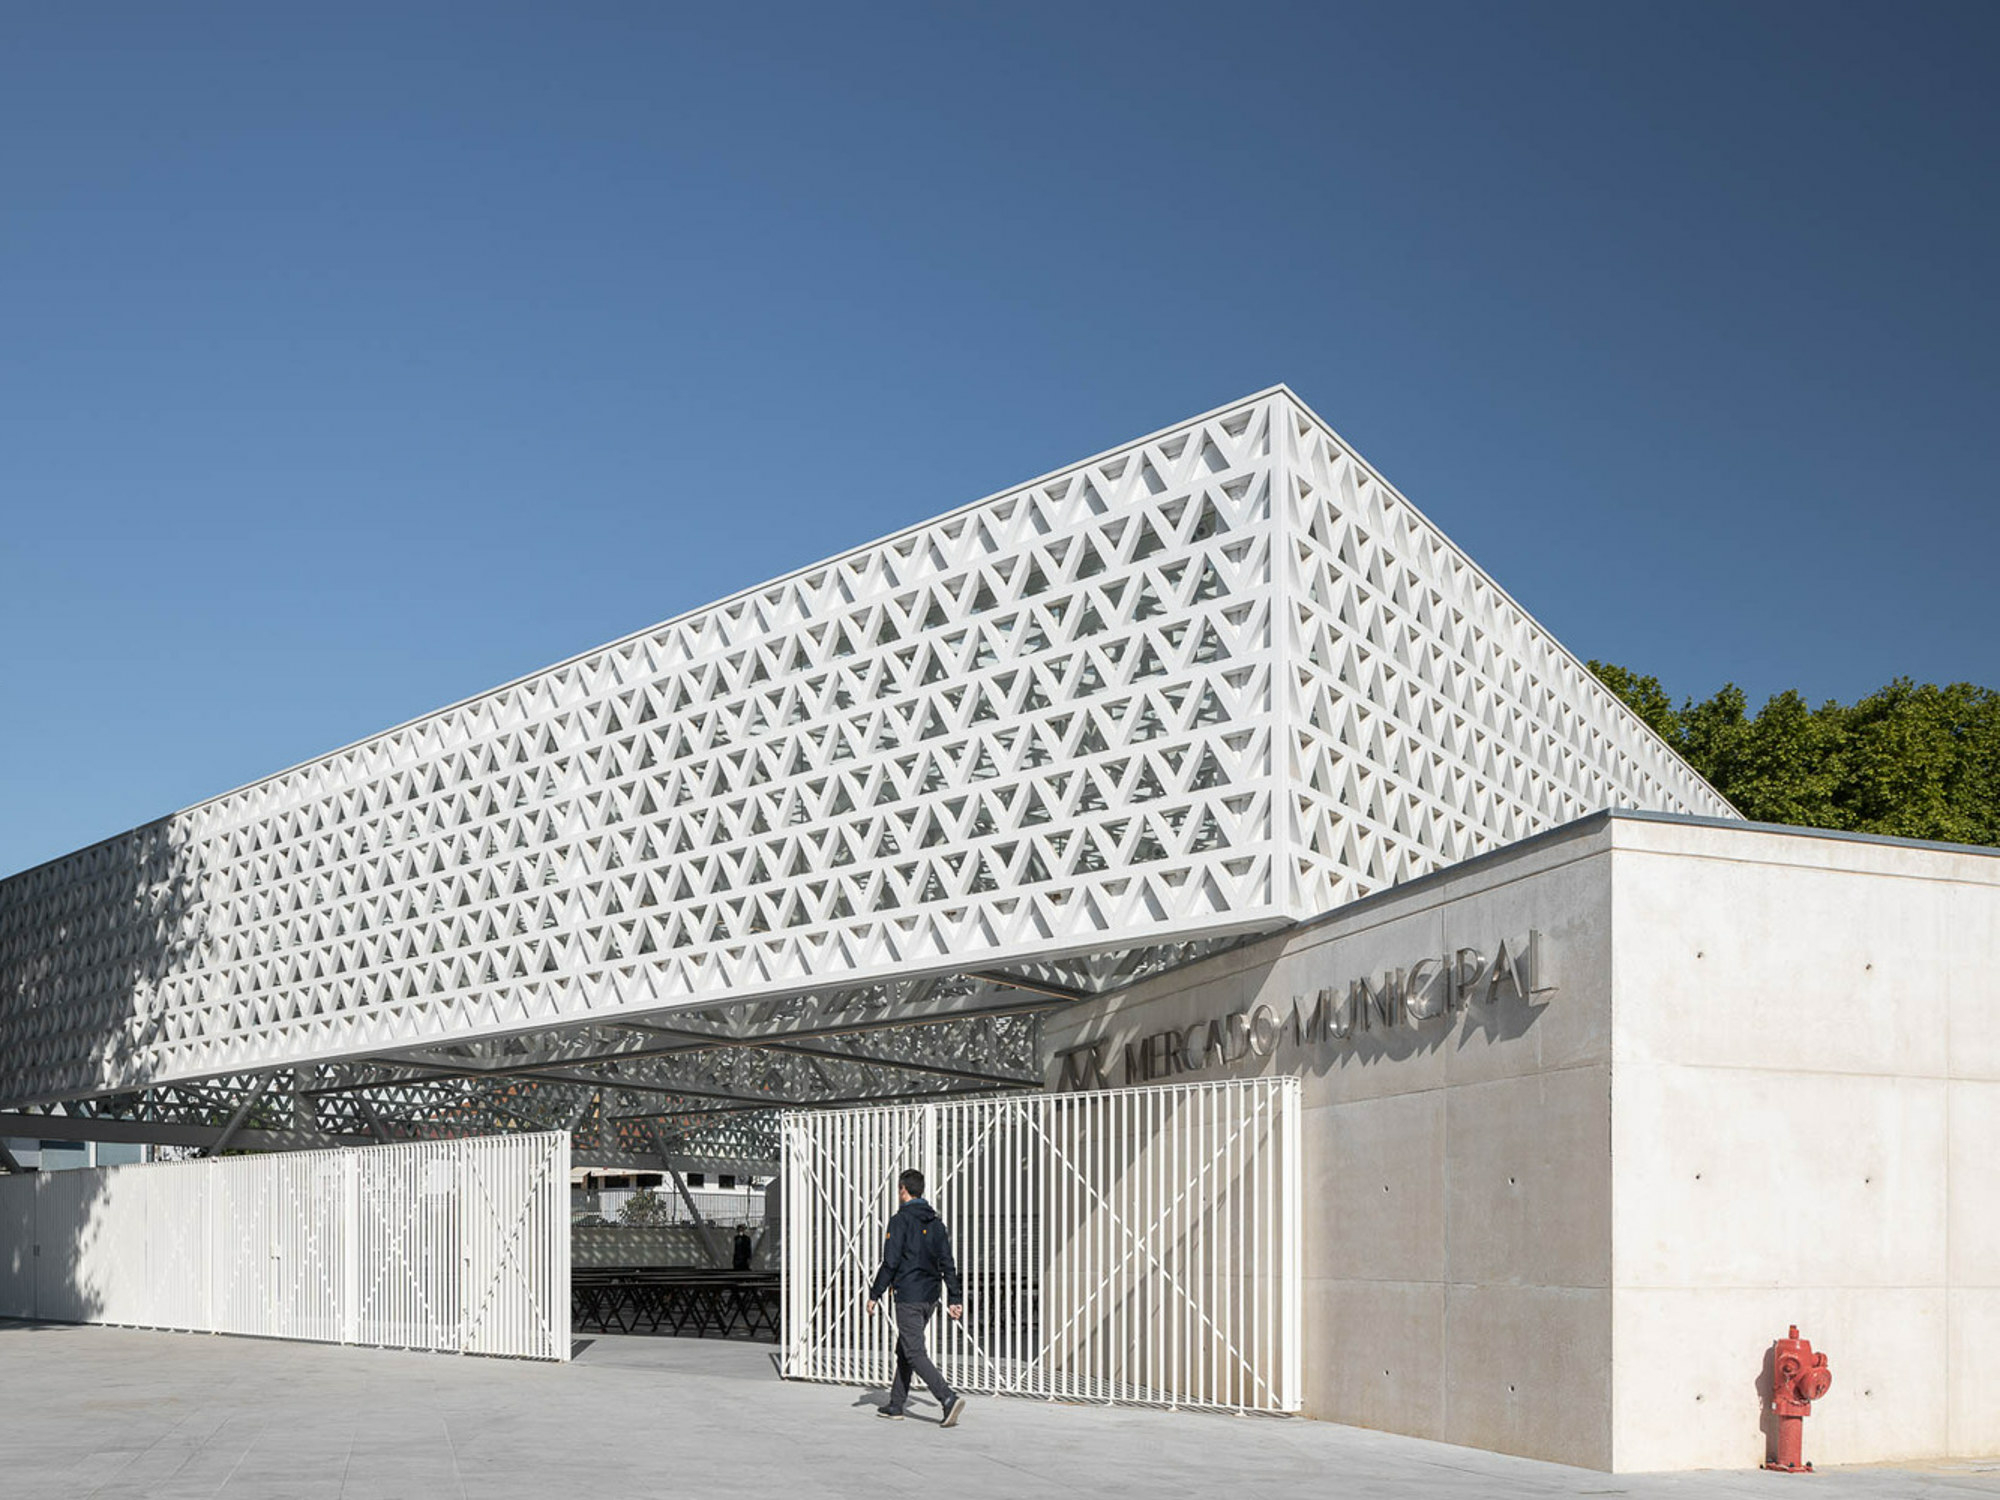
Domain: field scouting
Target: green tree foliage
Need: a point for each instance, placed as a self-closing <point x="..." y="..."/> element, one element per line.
<point x="644" y="1208"/>
<point x="1914" y="760"/>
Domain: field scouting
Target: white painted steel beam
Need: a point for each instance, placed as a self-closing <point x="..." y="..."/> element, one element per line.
<point x="165" y="1133"/>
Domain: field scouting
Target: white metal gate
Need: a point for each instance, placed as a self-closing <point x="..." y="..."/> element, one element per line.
<point x="457" y="1245"/>
<point x="1138" y="1245"/>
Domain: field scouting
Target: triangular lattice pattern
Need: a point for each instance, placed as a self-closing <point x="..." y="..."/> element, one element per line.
<point x="1038" y="726"/>
<point x="1212" y="681"/>
<point x="1430" y="718"/>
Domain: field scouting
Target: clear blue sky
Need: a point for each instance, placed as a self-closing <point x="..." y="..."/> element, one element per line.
<point x="356" y="358"/>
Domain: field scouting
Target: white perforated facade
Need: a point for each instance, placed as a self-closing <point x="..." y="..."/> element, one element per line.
<point x="1209" y="683"/>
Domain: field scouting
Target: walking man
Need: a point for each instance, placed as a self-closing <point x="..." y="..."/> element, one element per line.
<point x="916" y="1262"/>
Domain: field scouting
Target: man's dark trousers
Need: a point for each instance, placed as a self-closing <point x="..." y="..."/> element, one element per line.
<point x="911" y="1355"/>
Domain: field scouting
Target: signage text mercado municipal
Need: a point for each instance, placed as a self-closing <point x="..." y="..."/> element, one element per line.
<point x="1430" y="990"/>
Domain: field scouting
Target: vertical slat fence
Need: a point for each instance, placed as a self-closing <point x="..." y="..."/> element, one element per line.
<point x="460" y="1246"/>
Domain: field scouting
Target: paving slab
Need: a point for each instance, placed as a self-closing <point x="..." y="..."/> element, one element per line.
<point x="121" y="1414"/>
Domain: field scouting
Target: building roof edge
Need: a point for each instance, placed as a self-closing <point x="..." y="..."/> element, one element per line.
<point x="1840" y="835"/>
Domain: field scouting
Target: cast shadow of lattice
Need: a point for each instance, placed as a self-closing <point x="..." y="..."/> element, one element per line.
<point x="99" y="949"/>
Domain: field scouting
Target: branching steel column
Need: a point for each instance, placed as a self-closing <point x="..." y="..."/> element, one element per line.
<point x="242" y="1113"/>
<point x="701" y="1223"/>
<point x="374" y="1118"/>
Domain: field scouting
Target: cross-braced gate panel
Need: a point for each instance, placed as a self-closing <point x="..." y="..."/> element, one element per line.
<point x="1141" y="1245"/>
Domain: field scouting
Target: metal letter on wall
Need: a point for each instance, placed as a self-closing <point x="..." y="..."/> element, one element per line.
<point x="1138" y="1245"/>
<point x="458" y="1245"/>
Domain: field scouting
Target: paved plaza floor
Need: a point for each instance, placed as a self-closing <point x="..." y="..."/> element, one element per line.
<point x="114" y="1413"/>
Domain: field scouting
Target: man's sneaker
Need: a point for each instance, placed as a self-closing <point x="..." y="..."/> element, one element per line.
<point x="953" y="1412"/>
<point x="893" y="1416"/>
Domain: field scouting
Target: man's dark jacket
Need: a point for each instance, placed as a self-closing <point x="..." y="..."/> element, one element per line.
<point x="916" y="1254"/>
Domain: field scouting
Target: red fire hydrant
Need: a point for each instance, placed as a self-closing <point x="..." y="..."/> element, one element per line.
<point x="1799" y="1377"/>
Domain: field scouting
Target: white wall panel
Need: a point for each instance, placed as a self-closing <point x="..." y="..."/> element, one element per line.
<point x="1140" y="1246"/>
<point x="68" y="1288"/>
<point x="459" y="1245"/>
<point x="17" y="1247"/>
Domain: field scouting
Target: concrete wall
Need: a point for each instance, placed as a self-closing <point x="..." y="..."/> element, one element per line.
<point x="1458" y="1173"/>
<point x="1765" y="1088"/>
<point x="1806" y="1128"/>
